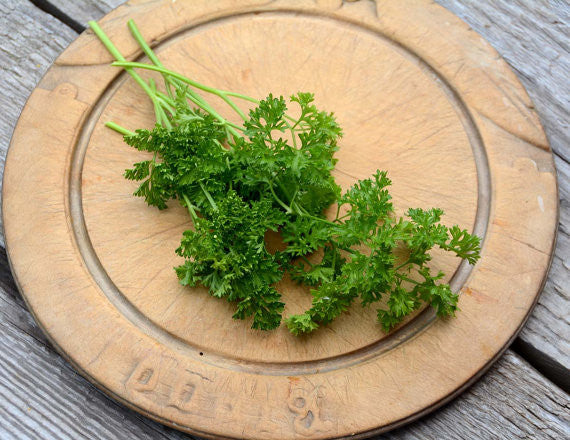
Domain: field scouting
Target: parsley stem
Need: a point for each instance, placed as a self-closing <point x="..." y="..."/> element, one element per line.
<point x="167" y="99"/>
<point x="231" y="124"/>
<point x="119" y="129"/>
<point x="105" y="40"/>
<point x="149" y="53"/>
<point x="337" y="212"/>
<point x="244" y="97"/>
<point x="119" y="57"/>
<point x="196" y="84"/>
<point x="282" y="188"/>
<point x="209" y="197"/>
<point x="169" y="75"/>
<point x="405" y="278"/>
<point x="230" y="127"/>
<point x="334" y="257"/>
<point x="278" y="200"/>
<point x="142" y="43"/>
<point x="294" y="195"/>
<point x="403" y="264"/>
<point x="303" y="213"/>
<point x="233" y="106"/>
<point x="161" y="117"/>
<point x="190" y="207"/>
<point x="307" y="261"/>
<point x="162" y="99"/>
<point x="198" y="101"/>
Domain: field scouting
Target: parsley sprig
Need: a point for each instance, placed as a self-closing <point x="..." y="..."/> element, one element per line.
<point x="273" y="172"/>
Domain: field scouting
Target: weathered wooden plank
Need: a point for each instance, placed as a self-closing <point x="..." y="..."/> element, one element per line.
<point x="84" y="10"/>
<point x="31" y="40"/>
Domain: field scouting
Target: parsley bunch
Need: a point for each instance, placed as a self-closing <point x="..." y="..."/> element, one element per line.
<point x="273" y="172"/>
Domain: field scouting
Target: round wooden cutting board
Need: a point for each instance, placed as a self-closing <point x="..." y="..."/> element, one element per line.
<point x="418" y="94"/>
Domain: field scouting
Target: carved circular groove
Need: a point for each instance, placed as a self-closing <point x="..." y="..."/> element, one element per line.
<point x="131" y="312"/>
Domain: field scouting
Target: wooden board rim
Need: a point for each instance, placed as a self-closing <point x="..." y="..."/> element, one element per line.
<point x="398" y="423"/>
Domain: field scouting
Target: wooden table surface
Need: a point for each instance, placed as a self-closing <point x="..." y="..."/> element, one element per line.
<point x="524" y="395"/>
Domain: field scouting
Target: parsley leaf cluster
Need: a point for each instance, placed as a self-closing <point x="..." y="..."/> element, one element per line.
<point x="273" y="172"/>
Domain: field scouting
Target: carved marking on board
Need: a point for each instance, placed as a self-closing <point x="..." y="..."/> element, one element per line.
<point x="144" y="378"/>
<point x="182" y="395"/>
<point x="162" y="381"/>
<point x="305" y="401"/>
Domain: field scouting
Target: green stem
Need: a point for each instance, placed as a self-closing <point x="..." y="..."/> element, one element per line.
<point x="294" y="195"/>
<point x="198" y="100"/>
<point x="282" y="188"/>
<point x="165" y="120"/>
<point x="173" y="74"/>
<point x="233" y="106"/>
<point x="105" y="40"/>
<point x="142" y="43"/>
<point x="169" y="76"/>
<point x="167" y="99"/>
<point x="119" y="57"/>
<point x="157" y="113"/>
<point x="334" y="257"/>
<point x="337" y="211"/>
<point x="244" y="97"/>
<point x="339" y="219"/>
<point x="405" y="278"/>
<point x="402" y="265"/>
<point x="303" y="212"/>
<point x="165" y="103"/>
<point x="194" y="97"/>
<point x="209" y="197"/>
<point x="150" y="54"/>
<point x="278" y="200"/>
<point x="307" y="261"/>
<point x="119" y="129"/>
<point x="237" y="127"/>
<point x="298" y="120"/>
<point x="190" y="207"/>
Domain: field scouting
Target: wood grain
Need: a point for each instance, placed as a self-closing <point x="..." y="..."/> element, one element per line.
<point x="532" y="37"/>
<point x="28" y="49"/>
<point x="42" y="397"/>
<point x="154" y="365"/>
<point x="457" y="420"/>
<point x="515" y="412"/>
<point x="85" y="10"/>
